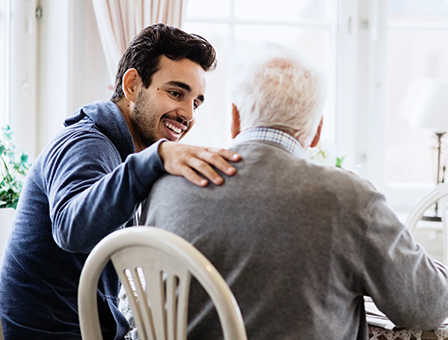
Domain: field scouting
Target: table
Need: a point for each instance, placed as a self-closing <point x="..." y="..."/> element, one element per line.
<point x="381" y="328"/>
<point x="377" y="333"/>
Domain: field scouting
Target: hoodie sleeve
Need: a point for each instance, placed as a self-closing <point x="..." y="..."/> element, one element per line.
<point x="91" y="192"/>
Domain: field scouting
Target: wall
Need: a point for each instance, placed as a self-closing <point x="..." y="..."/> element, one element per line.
<point x="71" y="64"/>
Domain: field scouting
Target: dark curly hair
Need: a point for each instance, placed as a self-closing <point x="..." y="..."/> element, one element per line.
<point x="145" y="50"/>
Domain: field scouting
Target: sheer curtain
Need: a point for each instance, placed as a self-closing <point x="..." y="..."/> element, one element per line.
<point x="120" y="20"/>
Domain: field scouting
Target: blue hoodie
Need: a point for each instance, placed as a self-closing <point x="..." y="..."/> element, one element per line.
<point x="87" y="183"/>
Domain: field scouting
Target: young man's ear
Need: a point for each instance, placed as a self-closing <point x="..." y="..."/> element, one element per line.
<point x="235" y="128"/>
<point x="130" y="83"/>
<point x="317" y="135"/>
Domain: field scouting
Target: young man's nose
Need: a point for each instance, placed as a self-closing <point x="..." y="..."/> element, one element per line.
<point x="187" y="112"/>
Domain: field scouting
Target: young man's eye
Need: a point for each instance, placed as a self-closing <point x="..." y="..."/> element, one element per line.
<point x="175" y="94"/>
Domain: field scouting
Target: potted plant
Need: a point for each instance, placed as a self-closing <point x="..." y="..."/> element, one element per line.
<point x="14" y="166"/>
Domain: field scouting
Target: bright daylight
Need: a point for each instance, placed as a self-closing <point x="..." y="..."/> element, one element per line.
<point x="223" y="169"/>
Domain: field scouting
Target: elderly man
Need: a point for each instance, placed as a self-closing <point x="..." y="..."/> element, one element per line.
<point x="300" y="245"/>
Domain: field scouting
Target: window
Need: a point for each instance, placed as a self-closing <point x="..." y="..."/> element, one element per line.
<point x="417" y="36"/>
<point x="235" y="27"/>
<point x="399" y="159"/>
<point x="370" y="50"/>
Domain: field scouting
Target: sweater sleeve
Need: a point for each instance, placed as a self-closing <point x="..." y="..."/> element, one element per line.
<point x="91" y="192"/>
<point x="404" y="282"/>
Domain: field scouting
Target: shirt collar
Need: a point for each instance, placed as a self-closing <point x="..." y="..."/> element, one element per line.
<point x="274" y="136"/>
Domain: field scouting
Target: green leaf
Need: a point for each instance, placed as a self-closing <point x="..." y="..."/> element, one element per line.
<point x="23" y="158"/>
<point x="14" y="166"/>
<point x="339" y="161"/>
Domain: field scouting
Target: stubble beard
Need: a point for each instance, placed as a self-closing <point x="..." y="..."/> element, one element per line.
<point x="144" y="123"/>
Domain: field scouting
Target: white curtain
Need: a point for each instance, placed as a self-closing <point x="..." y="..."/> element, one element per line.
<point x="119" y="21"/>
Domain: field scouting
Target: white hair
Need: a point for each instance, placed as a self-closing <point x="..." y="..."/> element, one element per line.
<point x="281" y="89"/>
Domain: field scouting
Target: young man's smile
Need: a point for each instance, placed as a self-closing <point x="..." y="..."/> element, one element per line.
<point x="174" y="128"/>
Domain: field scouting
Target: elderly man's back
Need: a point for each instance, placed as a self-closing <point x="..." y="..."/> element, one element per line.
<point x="300" y="245"/>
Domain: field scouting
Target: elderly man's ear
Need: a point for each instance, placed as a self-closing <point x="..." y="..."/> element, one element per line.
<point x="317" y="135"/>
<point x="235" y="128"/>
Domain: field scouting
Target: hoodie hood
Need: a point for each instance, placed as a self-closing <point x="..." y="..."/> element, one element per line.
<point x="110" y="121"/>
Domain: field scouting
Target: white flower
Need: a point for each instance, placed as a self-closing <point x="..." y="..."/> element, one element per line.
<point x="323" y="154"/>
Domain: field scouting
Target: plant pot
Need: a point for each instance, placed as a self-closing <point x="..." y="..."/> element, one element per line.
<point x="6" y="216"/>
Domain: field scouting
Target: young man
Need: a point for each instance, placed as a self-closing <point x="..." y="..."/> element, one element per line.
<point x="91" y="178"/>
<point x="298" y="244"/>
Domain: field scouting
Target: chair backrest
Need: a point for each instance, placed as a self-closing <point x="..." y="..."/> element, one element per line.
<point x="438" y="195"/>
<point x="155" y="267"/>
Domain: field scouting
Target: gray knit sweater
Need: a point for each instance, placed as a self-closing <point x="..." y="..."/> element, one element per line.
<point x="300" y="245"/>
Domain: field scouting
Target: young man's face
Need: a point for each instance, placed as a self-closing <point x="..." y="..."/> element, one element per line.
<point x="166" y="108"/>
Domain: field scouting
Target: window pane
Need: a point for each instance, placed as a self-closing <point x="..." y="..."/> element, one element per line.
<point x="212" y="125"/>
<point x="418" y="10"/>
<point x="411" y="154"/>
<point x="208" y="9"/>
<point x="282" y="10"/>
<point x="314" y="42"/>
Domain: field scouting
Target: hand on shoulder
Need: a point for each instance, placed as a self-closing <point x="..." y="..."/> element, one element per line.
<point x="185" y="160"/>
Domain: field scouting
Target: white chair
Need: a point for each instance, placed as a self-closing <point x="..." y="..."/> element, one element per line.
<point x="165" y="262"/>
<point x="440" y="196"/>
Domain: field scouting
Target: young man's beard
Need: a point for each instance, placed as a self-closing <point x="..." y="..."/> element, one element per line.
<point x="143" y="123"/>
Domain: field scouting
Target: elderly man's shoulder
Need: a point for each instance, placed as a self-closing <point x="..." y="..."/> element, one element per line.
<point x="339" y="183"/>
<point x="266" y="165"/>
<point x="339" y="175"/>
<point x="279" y="160"/>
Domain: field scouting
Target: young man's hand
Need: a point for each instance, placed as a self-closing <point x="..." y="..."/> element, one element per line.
<point x="185" y="160"/>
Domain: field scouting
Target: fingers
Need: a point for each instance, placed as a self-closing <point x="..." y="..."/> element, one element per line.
<point x="215" y="157"/>
<point x="188" y="161"/>
<point x="227" y="154"/>
<point x="192" y="176"/>
<point x="205" y="170"/>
